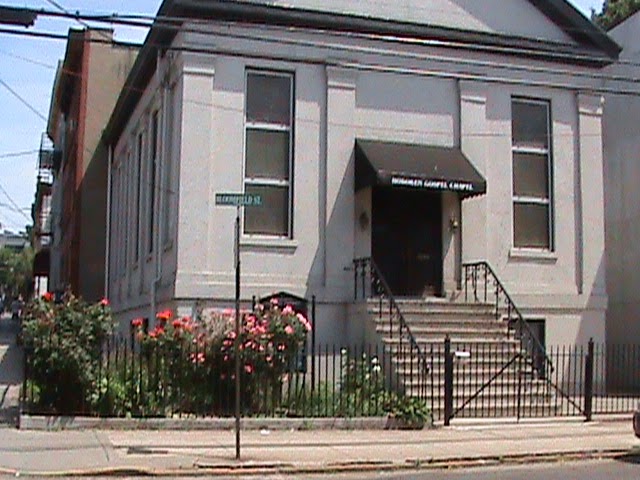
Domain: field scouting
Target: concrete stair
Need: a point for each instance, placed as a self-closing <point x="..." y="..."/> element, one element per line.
<point x="484" y="351"/>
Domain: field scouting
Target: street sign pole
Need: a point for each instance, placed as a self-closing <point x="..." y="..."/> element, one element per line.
<point x="237" y="200"/>
<point x="237" y="339"/>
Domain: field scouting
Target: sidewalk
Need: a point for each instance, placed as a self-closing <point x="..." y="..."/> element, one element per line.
<point x="10" y="370"/>
<point x="202" y="452"/>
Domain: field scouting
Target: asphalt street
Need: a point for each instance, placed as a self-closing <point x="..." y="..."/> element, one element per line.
<point x="620" y="469"/>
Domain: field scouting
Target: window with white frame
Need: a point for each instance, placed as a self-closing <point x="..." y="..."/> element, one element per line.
<point x="130" y="237"/>
<point x="269" y="152"/>
<point x="138" y="189"/>
<point x="153" y="166"/>
<point x="532" y="174"/>
<point x="114" y="213"/>
<point x="124" y="220"/>
<point x="167" y="166"/>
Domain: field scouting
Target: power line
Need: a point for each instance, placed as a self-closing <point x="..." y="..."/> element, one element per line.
<point x="65" y="37"/>
<point x="18" y="154"/>
<point x="14" y="209"/>
<point x="167" y="22"/>
<point x="392" y="3"/>
<point x="443" y="74"/>
<point x="64" y="10"/>
<point x="339" y="46"/>
<point x="29" y="60"/>
<point x="80" y="21"/>
<point x="176" y="22"/>
<point x="11" y="222"/>
<point x="14" y="203"/>
<point x="24" y="102"/>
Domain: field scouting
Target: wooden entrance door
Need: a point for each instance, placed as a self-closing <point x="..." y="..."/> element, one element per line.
<point x="407" y="240"/>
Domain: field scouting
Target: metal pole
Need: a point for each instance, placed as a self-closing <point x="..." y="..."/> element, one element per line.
<point x="448" y="382"/>
<point x="588" y="383"/>
<point x="237" y="339"/>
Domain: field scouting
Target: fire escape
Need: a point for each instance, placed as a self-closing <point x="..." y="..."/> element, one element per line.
<point x="41" y="213"/>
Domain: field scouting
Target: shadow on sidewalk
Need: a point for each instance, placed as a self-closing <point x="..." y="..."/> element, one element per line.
<point x="11" y="359"/>
<point x="11" y="372"/>
<point x="631" y="457"/>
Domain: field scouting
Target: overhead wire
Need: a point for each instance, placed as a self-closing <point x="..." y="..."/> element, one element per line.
<point x="22" y="100"/>
<point x="428" y="11"/>
<point x="12" y="208"/>
<point x="10" y="221"/>
<point x="175" y="22"/>
<point x="28" y="60"/>
<point x="115" y="18"/>
<point x="18" y="154"/>
<point x="299" y="119"/>
<point x="64" y="10"/>
<point x="6" y="194"/>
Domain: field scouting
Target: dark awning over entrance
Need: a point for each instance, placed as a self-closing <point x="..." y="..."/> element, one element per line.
<point x="41" y="263"/>
<point x="416" y="166"/>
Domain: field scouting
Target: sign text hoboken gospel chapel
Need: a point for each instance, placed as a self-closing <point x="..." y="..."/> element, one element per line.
<point x="454" y="185"/>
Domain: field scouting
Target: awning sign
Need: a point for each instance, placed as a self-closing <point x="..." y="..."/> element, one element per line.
<point x="451" y="185"/>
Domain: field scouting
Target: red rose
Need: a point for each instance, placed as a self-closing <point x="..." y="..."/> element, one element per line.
<point x="136" y="322"/>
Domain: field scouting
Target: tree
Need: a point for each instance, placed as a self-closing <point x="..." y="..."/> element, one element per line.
<point x="614" y="11"/>
<point x="16" y="271"/>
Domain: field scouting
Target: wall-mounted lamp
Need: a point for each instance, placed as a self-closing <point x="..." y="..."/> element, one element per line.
<point x="363" y="220"/>
<point x="454" y="223"/>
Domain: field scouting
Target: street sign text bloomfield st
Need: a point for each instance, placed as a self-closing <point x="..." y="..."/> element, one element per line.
<point x="239" y="199"/>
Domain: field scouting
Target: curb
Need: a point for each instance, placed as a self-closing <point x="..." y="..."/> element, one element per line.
<point x="54" y="423"/>
<point x="250" y="469"/>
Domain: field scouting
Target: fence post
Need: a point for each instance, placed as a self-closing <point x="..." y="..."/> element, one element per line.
<point x="448" y="382"/>
<point x="588" y="383"/>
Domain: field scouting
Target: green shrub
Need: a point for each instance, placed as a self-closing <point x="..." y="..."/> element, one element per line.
<point x="411" y="411"/>
<point x="63" y="344"/>
<point x="196" y="358"/>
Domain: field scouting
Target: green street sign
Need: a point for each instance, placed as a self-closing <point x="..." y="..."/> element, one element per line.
<point x="239" y="199"/>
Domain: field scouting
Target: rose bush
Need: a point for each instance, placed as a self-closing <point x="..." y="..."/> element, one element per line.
<point x="197" y="357"/>
<point x="63" y="345"/>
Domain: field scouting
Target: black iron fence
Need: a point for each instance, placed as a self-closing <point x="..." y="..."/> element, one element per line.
<point x="460" y="380"/>
<point x="500" y="380"/>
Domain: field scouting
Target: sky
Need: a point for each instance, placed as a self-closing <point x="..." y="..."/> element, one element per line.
<point x="27" y="67"/>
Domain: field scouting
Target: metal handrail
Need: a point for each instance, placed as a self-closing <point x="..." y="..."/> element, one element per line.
<point x="510" y="304"/>
<point x="360" y="265"/>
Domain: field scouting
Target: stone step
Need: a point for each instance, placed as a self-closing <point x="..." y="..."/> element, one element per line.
<point x="443" y="324"/>
<point x="503" y="382"/>
<point x="486" y="402"/>
<point x="511" y="409"/>
<point x="437" y="371"/>
<point x="530" y="388"/>
<point x="449" y="310"/>
<point x="474" y="359"/>
<point x="486" y="371"/>
<point x="457" y="343"/>
<point x="471" y="320"/>
<point x="456" y="333"/>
